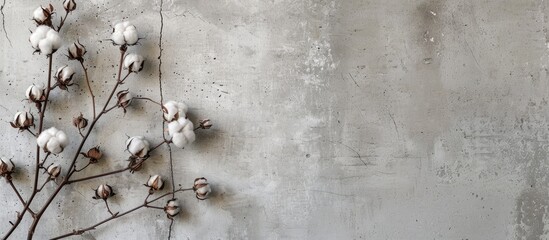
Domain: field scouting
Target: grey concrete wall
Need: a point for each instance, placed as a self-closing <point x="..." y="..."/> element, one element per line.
<point x="356" y="119"/>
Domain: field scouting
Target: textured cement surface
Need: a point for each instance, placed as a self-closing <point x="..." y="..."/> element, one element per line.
<point x="355" y="119"/>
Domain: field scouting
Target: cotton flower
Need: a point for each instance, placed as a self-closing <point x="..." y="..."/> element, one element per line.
<point x="155" y="183"/>
<point x="35" y="93"/>
<point x="64" y="77"/>
<point x="69" y="5"/>
<point x="77" y="51"/>
<point x="45" y="40"/>
<point x="6" y="167"/>
<point x="54" y="171"/>
<point x="94" y="154"/>
<point x="137" y="146"/>
<point x="133" y="62"/>
<point x="182" y="132"/>
<point x="174" y="110"/>
<point x="124" y="99"/>
<point x="172" y="208"/>
<point x="22" y="120"/>
<point x="202" y="188"/>
<point x="104" y="191"/>
<point x="42" y="16"/>
<point x="124" y="33"/>
<point x="52" y="140"/>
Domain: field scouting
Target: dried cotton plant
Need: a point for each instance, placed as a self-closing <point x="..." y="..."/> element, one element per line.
<point x="51" y="141"/>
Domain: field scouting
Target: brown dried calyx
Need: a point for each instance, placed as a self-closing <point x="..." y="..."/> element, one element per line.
<point x="94" y="154"/>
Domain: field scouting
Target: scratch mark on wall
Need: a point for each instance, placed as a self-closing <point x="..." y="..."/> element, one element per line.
<point x="4" y="21"/>
<point x="394" y="123"/>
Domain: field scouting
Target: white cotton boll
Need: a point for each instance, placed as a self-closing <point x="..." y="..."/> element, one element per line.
<point x="130" y="35"/>
<point x="39" y="15"/>
<point x="118" y="38"/>
<point x="52" y="140"/>
<point x="172" y="208"/>
<point x="64" y="73"/>
<point x="189" y="135"/>
<point x="62" y="138"/>
<point x="39" y="33"/>
<point x="133" y="62"/>
<point x="53" y="37"/>
<point x="137" y="146"/>
<point x="124" y="33"/>
<point x="43" y="139"/>
<point x="54" y="146"/>
<point x="45" y="46"/>
<point x="179" y="140"/>
<point x="34" y="93"/>
<point x="174" y="110"/>
<point x="176" y="126"/>
<point x="119" y="27"/>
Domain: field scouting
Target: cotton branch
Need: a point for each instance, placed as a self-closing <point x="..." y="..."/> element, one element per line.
<point x="118" y="215"/>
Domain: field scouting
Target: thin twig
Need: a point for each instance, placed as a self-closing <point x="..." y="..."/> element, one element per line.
<point x="108" y="208"/>
<point x="117" y="215"/>
<point x="109" y="109"/>
<point x="19" y="195"/>
<point x="97" y="176"/>
<point x="44" y="184"/>
<point x="44" y="161"/>
<point x="62" y="21"/>
<point x="79" y="170"/>
<point x="148" y="99"/>
<point x="158" y="145"/>
<point x="31" y="132"/>
<point x="89" y="87"/>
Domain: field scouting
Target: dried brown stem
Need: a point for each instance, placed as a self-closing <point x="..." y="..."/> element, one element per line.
<point x="97" y="176"/>
<point x="117" y="215"/>
<point x="148" y="99"/>
<point x="89" y="87"/>
<point x="37" y="167"/>
<point x="44" y="184"/>
<point x="63" y="21"/>
<point x="108" y="208"/>
<point x="84" y="167"/>
<point x="31" y="132"/>
<point x="34" y="224"/>
<point x="19" y="195"/>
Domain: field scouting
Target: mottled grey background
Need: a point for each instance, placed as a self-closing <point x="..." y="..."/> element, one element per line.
<point x="355" y="119"/>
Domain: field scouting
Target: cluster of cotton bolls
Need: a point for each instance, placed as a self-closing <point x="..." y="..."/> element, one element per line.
<point x="52" y="140"/>
<point x="124" y="33"/>
<point x="179" y="127"/>
<point x="45" y="40"/>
